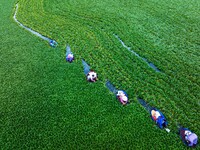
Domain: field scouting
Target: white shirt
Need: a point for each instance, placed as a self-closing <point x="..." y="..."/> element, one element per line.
<point x="157" y="114"/>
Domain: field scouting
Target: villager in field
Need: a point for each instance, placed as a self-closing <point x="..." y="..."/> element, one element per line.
<point x="189" y="138"/>
<point x="70" y="58"/>
<point x="92" y="76"/>
<point x="158" y="117"/>
<point x="122" y="97"/>
<point x="69" y="55"/>
<point x="53" y="43"/>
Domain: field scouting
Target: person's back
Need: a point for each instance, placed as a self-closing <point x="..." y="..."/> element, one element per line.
<point x="159" y="118"/>
<point x="161" y="122"/>
<point x="189" y="138"/>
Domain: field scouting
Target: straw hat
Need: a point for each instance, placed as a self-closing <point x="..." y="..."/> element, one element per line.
<point x="153" y="113"/>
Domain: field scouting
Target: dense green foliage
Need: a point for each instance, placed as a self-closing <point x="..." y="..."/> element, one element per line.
<point x="46" y="102"/>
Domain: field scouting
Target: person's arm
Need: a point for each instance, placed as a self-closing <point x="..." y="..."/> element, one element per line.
<point x="123" y="103"/>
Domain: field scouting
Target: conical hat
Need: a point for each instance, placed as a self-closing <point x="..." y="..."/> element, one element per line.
<point x="153" y="112"/>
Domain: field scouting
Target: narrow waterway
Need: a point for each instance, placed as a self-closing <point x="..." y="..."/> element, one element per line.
<point x="28" y="29"/>
<point x="86" y="67"/>
<point x="150" y="64"/>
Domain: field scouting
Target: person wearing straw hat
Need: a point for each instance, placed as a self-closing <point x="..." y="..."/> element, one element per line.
<point x="53" y="43"/>
<point x="122" y="97"/>
<point x="159" y="118"/>
<point x="70" y="57"/>
<point x="69" y="54"/>
<point x="92" y="76"/>
<point x="189" y="138"/>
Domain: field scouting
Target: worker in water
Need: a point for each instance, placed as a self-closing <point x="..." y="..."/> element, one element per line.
<point x="92" y="76"/>
<point x="159" y="118"/>
<point x="122" y="97"/>
<point x="70" y="57"/>
<point x="189" y="138"/>
<point x="53" y="43"/>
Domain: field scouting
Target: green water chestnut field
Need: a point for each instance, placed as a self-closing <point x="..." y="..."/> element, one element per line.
<point x="46" y="103"/>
